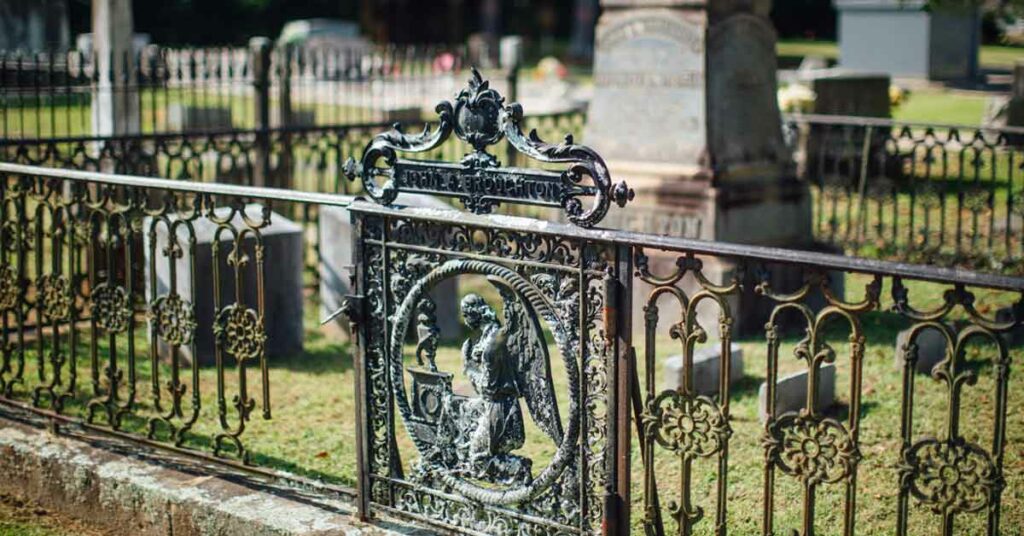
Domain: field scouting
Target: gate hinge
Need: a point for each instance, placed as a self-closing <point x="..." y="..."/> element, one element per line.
<point x="351" y="306"/>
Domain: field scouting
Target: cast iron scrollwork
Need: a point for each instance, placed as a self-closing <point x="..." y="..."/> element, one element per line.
<point x="479" y="117"/>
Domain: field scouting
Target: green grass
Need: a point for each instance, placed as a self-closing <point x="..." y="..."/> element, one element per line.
<point x="996" y="56"/>
<point x="804" y="47"/>
<point x="942" y="106"/>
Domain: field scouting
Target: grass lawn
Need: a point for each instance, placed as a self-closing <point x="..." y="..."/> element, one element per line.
<point x="312" y="430"/>
<point x="942" y="106"/>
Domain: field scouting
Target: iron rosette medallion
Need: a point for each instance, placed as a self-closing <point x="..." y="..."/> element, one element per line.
<point x="691" y="426"/>
<point x="816" y="450"/>
<point x="467" y="443"/>
<point x="950" y="476"/>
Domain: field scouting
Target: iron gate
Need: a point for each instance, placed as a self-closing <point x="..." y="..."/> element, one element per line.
<point x="550" y="305"/>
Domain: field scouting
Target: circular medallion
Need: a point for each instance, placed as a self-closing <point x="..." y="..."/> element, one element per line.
<point x="495" y="397"/>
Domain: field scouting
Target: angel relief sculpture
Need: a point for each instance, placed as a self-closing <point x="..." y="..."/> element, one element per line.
<point x="475" y="437"/>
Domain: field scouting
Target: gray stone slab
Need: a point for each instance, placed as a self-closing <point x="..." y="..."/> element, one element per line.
<point x="860" y="94"/>
<point x="931" y="349"/>
<point x="649" y="79"/>
<point x="707" y="364"/>
<point x="1015" y="337"/>
<point x="791" y="392"/>
<point x="186" y="117"/>
<point x="336" y="262"/>
<point x="283" y="268"/>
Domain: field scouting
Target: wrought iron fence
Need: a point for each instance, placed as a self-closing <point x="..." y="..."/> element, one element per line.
<point x="922" y="192"/>
<point x="303" y="159"/>
<point x="162" y="90"/>
<point x="91" y="338"/>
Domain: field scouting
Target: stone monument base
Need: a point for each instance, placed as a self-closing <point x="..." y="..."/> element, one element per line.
<point x="743" y="209"/>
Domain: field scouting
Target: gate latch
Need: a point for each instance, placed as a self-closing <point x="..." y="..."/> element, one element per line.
<point x="351" y="306"/>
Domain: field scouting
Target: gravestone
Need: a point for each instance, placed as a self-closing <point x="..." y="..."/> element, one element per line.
<point x="909" y="38"/>
<point x="685" y="110"/>
<point x="187" y="117"/>
<point x="844" y="93"/>
<point x="856" y="94"/>
<point x="1016" y="335"/>
<point x="931" y="349"/>
<point x="336" y="267"/>
<point x="510" y="49"/>
<point x="707" y="363"/>
<point x="791" y="392"/>
<point x="283" y="270"/>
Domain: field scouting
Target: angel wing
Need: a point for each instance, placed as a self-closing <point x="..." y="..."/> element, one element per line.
<point x="526" y="344"/>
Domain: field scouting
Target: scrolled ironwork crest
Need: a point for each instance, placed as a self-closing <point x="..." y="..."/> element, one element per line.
<point x="479" y="117"/>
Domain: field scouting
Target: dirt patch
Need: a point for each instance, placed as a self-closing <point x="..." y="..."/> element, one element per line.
<point x="23" y="518"/>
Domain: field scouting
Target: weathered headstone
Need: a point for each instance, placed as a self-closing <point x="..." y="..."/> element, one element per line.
<point x="844" y="93"/>
<point x="906" y="38"/>
<point x="187" y="117"/>
<point x="282" y="285"/>
<point x="685" y="110"/>
<point x="510" y="51"/>
<point x="336" y="267"/>
<point x="931" y="349"/>
<point x="707" y="364"/>
<point x="791" y="392"/>
<point x="1016" y="335"/>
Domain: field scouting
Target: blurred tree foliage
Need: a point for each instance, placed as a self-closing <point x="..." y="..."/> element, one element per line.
<point x="218" y="22"/>
<point x="804" y="19"/>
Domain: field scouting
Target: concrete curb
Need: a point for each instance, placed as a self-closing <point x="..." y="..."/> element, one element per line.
<point x="176" y="496"/>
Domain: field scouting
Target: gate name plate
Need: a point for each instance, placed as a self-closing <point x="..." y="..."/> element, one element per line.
<point x="478" y="116"/>
<point x="482" y="188"/>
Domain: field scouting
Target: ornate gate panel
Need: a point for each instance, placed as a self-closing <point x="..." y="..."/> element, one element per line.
<point x="516" y="430"/>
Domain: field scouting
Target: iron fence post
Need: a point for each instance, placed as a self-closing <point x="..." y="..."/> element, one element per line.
<point x="358" y="342"/>
<point x="259" y="49"/>
<point x="618" y="330"/>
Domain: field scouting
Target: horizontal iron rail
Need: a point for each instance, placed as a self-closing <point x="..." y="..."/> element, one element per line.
<point x="512" y="223"/>
<point x="772" y="255"/>
<point x="209" y="188"/>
